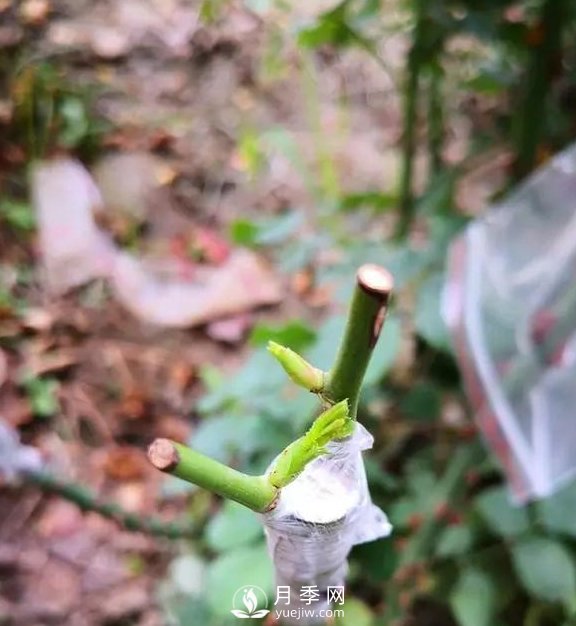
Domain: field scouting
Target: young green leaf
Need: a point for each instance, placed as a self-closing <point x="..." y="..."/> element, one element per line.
<point x="299" y="370"/>
<point x="333" y="424"/>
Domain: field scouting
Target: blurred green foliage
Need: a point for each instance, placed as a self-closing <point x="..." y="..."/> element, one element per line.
<point x="459" y="548"/>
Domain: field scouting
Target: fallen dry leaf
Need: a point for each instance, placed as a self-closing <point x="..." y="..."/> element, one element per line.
<point x="53" y="593"/>
<point x="123" y="601"/>
<point x="50" y="362"/>
<point x="37" y="319"/>
<point x="125" y="463"/>
<point x="15" y="408"/>
<point x="240" y="284"/>
<point x="127" y="180"/>
<point x="172" y="427"/>
<point x="210" y="246"/>
<point x="157" y="291"/>
<point x="35" y="12"/>
<point x="231" y="329"/>
<point x="181" y="374"/>
<point x="60" y="519"/>
<point x="134" y="404"/>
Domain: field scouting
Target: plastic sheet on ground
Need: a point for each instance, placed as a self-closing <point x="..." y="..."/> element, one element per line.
<point x="16" y="458"/>
<point x="75" y="250"/>
<point x="510" y="302"/>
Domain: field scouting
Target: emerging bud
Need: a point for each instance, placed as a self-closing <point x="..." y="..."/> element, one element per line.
<point x="332" y="425"/>
<point x="299" y="370"/>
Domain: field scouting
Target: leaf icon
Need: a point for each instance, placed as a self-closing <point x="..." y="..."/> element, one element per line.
<point x="239" y="613"/>
<point x="250" y="600"/>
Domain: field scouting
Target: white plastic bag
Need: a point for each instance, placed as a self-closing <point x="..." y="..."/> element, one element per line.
<point x="510" y="302"/>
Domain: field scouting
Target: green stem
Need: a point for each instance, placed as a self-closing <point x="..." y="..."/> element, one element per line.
<point x="87" y="501"/>
<point x="365" y="320"/>
<point x="435" y="119"/>
<point x="539" y="74"/>
<point x="412" y="92"/>
<point x="340" y="388"/>
<point x="255" y="492"/>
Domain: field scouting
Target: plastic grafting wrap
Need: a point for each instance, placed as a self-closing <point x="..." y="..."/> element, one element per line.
<point x="319" y="517"/>
<point x="510" y="302"/>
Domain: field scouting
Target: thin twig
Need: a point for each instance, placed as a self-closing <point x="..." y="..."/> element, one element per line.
<point x="411" y="98"/>
<point x="87" y="501"/>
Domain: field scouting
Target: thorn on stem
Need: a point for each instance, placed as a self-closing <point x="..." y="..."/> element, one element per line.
<point x="163" y="455"/>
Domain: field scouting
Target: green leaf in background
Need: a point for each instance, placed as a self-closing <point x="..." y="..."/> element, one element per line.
<point x="557" y="512"/>
<point x="376" y="200"/>
<point x="422" y="403"/>
<point x="278" y="229"/>
<point x="244" y="232"/>
<point x="502" y="517"/>
<point x="75" y="121"/>
<point x="187" y="573"/>
<point x="257" y="376"/>
<point x="454" y="541"/>
<point x="330" y="28"/>
<point x="323" y="352"/>
<point x="18" y="215"/>
<point x="377" y="559"/>
<point x="546" y="569"/>
<point x="295" y="335"/>
<point x="439" y="197"/>
<point x="43" y="395"/>
<point x="427" y="317"/>
<point x="235" y="569"/>
<point x="269" y="232"/>
<point x="234" y="525"/>
<point x="473" y="599"/>
<point x="225" y="436"/>
<point x="355" y="613"/>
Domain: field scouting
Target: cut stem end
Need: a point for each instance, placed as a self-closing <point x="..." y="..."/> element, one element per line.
<point x="163" y="455"/>
<point x="375" y="280"/>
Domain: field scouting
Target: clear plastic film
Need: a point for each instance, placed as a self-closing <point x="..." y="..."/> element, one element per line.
<point x="15" y="457"/>
<point x="510" y="302"/>
<point x="319" y="517"/>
